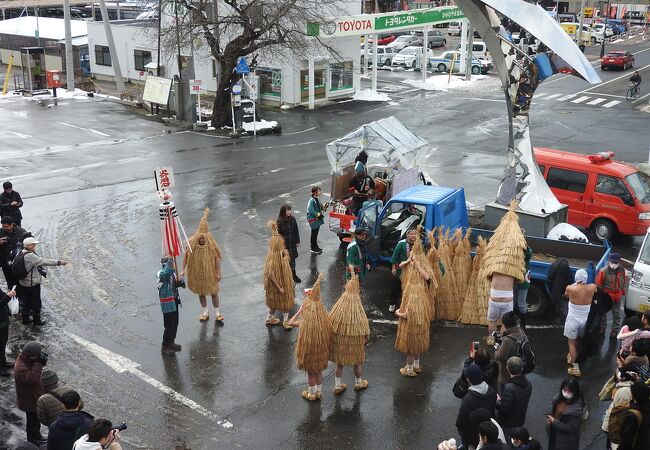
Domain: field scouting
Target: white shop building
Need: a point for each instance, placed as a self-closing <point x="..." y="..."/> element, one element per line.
<point x="282" y="80"/>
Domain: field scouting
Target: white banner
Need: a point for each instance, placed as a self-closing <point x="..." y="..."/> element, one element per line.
<point x="164" y="177"/>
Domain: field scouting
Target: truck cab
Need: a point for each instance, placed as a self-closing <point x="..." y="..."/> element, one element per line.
<point x="429" y="206"/>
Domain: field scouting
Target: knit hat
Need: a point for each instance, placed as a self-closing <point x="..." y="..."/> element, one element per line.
<point x="474" y="374"/>
<point x="49" y="379"/>
<point x="614" y="257"/>
<point x="32" y="349"/>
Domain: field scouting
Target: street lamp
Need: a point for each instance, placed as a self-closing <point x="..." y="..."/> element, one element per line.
<point x="602" y="45"/>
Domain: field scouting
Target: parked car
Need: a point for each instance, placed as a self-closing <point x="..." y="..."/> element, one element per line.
<point x="410" y="57"/>
<point x="617" y="58"/>
<point x="385" y="55"/>
<point x="435" y="38"/>
<point x="384" y="39"/>
<point x="454" y="28"/>
<point x="407" y="40"/>
<point x="604" y="195"/>
<point x="479" y="50"/>
<point x="443" y="62"/>
<point x="572" y="30"/>
<point x="600" y="31"/>
<point x="618" y="26"/>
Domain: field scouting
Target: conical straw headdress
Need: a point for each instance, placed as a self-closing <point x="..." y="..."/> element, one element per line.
<point x="506" y="249"/>
<point x="315" y="335"/>
<point x="202" y="269"/>
<point x="277" y="263"/>
<point x="349" y="325"/>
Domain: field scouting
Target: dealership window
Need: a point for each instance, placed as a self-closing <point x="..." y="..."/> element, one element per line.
<point x="568" y="180"/>
<point x="341" y="76"/>
<point x="270" y="81"/>
<point x="142" y="58"/>
<point x="102" y="55"/>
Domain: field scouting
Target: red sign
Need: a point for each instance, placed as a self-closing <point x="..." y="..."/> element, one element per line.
<point x="354" y="25"/>
<point x="142" y="73"/>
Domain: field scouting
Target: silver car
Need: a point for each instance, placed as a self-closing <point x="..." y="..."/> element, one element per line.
<point x="410" y="57"/>
<point x="385" y="55"/>
<point x="435" y="38"/>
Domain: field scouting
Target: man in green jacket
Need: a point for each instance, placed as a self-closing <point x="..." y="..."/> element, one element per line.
<point x="315" y="218"/>
<point x="356" y="258"/>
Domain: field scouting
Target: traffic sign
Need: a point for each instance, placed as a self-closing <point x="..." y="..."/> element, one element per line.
<point x="242" y="67"/>
<point x="252" y="81"/>
<point x="236" y="89"/>
<point x="196" y="87"/>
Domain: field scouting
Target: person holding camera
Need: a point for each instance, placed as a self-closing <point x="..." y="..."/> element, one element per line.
<point x="27" y="375"/>
<point x="101" y="435"/>
<point x="31" y="283"/>
<point x="10" y="203"/>
<point x="315" y="217"/>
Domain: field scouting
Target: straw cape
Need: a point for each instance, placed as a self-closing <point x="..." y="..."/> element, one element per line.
<point x="472" y="312"/>
<point x="462" y="262"/>
<point x="315" y="335"/>
<point x="350" y="326"/>
<point x="448" y="304"/>
<point x="413" y="331"/>
<point x="277" y="263"/>
<point x="201" y="266"/>
<point x="418" y="253"/>
<point x="505" y="252"/>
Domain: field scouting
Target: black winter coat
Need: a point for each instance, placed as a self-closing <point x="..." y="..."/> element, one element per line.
<point x="490" y="372"/>
<point x="6" y="209"/>
<point x="564" y="432"/>
<point x="67" y="428"/>
<point x="591" y="341"/>
<point x="9" y="246"/>
<point x="633" y="436"/>
<point x="533" y="444"/>
<point x="4" y="310"/>
<point x="513" y="405"/>
<point x="471" y="402"/>
<point x="498" y="445"/>
<point x="288" y="228"/>
<point x="559" y="275"/>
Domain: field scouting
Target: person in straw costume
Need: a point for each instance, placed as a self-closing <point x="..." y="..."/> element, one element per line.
<point x="471" y="312"/>
<point x="420" y="257"/>
<point x="414" y="315"/>
<point x="504" y="265"/>
<point x="314" y="340"/>
<point x="202" y="263"/>
<point x="399" y="259"/>
<point x="462" y="263"/>
<point x="448" y="305"/>
<point x="350" y="333"/>
<point x="278" y="279"/>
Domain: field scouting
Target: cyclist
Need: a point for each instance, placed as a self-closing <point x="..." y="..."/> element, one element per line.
<point x="635" y="79"/>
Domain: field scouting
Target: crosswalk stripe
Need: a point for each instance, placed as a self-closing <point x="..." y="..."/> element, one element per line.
<point x="541" y="94"/>
<point x="610" y="104"/>
<point x="566" y="97"/>
<point x="580" y="100"/>
<point x="552" y="96"/>
<point x="596" y="101"/>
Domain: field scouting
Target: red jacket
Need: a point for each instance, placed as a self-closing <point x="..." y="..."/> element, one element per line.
<point x="612" y="281"/>
<point x="28" y="383"/>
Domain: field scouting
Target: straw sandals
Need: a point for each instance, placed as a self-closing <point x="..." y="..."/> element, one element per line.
<point x="407" y="373"/>
<point x="361" y="385"/>
<point x="312" y="397"/>
<point x="204" y="317"/>
<point x="340" y="388"/>
<point x="273" y="321"/>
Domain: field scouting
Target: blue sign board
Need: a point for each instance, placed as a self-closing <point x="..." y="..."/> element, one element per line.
<point x="242" y="67"/>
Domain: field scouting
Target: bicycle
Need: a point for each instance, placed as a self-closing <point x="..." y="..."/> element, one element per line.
<point x="632" y="92"/>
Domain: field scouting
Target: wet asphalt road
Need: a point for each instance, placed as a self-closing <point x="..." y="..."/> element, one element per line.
<point x="85" y="170"/>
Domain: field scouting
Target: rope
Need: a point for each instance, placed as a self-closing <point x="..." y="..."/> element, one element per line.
<point x="133" y="92"/>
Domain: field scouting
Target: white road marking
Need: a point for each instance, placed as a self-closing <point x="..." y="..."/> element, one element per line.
<point x="610" y="104"/>
<point x="299" y="132"/>
<point x="410" y="90"/>
<point x="84" y="129"/>
<point x="580" y="99"/>
<point x="613" y="79"/>
<point x="121" y="364"/>
<point x="639" y="99"/>
<point x="20" y="135"/>
<point x="540" y="94"/>
<point x="607" y="95"/>
<point x="566" y="97"/>
<point x="596" y="101"/>
<point x="552" y="96"/>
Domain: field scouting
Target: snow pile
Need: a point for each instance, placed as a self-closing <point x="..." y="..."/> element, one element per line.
<point x="566" y="232"/>
<point x="368" y="95"/>
<point x="444" y="83"/>
<point x="260" y="125"/>
<point x="61" y="93"/>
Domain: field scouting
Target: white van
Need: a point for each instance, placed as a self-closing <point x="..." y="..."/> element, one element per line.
<point x="479" y="50"/>
<point x="454" y="28"/>
<point x="637" y="298"/>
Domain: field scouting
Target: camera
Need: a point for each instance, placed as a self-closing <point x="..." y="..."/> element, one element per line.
<point x="497" y="338"/>
<point x="42" y="358"/>
<point x="180" y="283"/>
<point x="42" y="271"/>
<point x="121" y="427"/>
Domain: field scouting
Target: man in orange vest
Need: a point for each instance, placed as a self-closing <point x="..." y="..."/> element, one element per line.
<point x="612" y="279"/>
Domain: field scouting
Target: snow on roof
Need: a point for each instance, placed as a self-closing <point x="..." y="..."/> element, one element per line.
<point x="48" y="27"/>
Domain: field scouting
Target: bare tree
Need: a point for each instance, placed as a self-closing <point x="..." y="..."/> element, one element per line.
<point x="239" y="28"/>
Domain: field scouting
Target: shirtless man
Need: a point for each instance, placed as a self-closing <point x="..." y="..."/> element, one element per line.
<point x="580" y="296"/>
<point x="501" y="297"/>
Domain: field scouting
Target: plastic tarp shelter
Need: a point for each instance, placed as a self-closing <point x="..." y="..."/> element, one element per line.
<point x="386" y="141"/>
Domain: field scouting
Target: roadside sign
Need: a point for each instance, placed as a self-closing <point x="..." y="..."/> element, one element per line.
<point x="164" y="178"/>
<point x="242" y="67"/>
<point x="372" y="23"/>
<point x="252" y="82"/>
<point x="236" y="89"/>
<point x="142" y="73"/>
<point x="156" y="89"/>
<point x="196" y="87"/>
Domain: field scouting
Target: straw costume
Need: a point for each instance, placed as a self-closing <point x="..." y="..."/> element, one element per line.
<point x="202" y="262"/>
<point x="414" y="316"/>
<point x="462" y="262"/>
<point x="314" y="340"/>
<point x="504" y="265"/>
<point x="472" y="312"/>
<point x="419" y="255"/>
<point x="448" y="304"/>
<point x="278" y="279"/>
<point x="350" y="332"/>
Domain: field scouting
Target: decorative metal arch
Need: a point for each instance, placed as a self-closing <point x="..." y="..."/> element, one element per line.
<point x="522" y="179"/>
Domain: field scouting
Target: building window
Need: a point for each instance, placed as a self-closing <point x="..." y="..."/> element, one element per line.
<point x="270" y="81"/>
<point x="142" y="58"/>
<point x="102" y="55"/>
<point x="341" y="76"/>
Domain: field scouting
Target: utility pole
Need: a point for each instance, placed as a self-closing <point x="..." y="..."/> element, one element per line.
<point x="69" y="63"/>
<point x="470" y="51"/>
<point x="115" y="60"/>
<point x="582" y="21"/>
<point x="602" y="45"/>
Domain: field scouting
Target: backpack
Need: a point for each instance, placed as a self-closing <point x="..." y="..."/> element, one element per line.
<point x="18" y="268"/>
<point x="525" y="352"/>
<point x="617" y="418"/>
